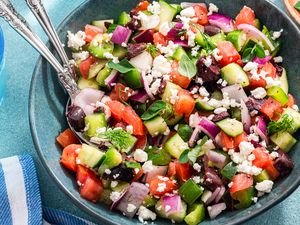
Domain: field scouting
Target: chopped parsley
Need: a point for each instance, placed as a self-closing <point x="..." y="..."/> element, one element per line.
<point x="283" y="124"/>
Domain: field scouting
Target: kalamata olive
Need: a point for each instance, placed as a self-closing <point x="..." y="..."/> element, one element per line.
<point x="211" y="73"/>
<point x="220" y="116"/>
<point x="135" y="49"/>
<point x="76" y="117"/>
<point x="283" y="164"/>
<point x="121" y="173"/>
<point x="211" y="30"/>
<point x="212" y="179"/>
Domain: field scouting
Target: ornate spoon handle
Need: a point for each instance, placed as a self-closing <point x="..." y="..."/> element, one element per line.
<point x="18" y="23"/>
<point x="40" y="13"/>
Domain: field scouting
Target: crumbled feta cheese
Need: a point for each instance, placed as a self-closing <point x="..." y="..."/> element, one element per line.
<point x="295" y="107"/>
<point x="194" y="120"/>
<point x="140" y="155"/>
<point x="78" y="161"/>
<point x="129" y="129"/>
<point x="110" y="56"/>
<point x="131" y="208"/>
<point x="278" y="59"/>
<point x="145" y="214"/>
<point x="101" y="130"/>
<point x="274" y="155"/>
<point x="254" y="199"/>
<point x="197" y="179"/>
<point x="277" y="34"/>
<point x="155" y="86"/>
<point x="148" y="166"/>
<point x="209" y="145"/>
<point x="247" y="168"/>
<point x="80" y="55"/>
<point x="114" y="183"/>
<point x="199" y="80"/>
<point x="212" y="8"/>
<point x="230" y="184"/>
<point x="76" y="41"/>
<point x="253" y="137"/>
<point x="246" y="148"/>
<point x="194" y="90"/>
<point x="185" y="21"/>
<point x="220" y="110"/>
<point x="259" y="93"/>
<point x="124" y="44"/>
<point x="272" y="82"/>
<point x="264" y="186"/>
<point x="114" y="196"/>
<point x="197" y="167"/>
<point x="251" y="66"/>
<point x="203" y="92"/>
<point x="168" y="50"/>
<point x="164" y="28"/>
<point x="195" y="50"/>
<point x="148" y="22"/>
<point x="174" y="96"/>
<point x="191" y="38"/>
<point x="188" y="12"/>
<point x="161" y="187"/>
<point x="215" y="54"/>
<point x="236" y="157"/>
<point x="154" y="8"/>
<point x="107" y="171"/>
<point x="208" y="61"/>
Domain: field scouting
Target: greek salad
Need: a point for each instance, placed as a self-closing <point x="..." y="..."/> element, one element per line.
<point x="188" y="111"/>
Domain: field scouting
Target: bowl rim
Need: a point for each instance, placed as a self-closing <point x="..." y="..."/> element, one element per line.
<point x="85" y="207"/>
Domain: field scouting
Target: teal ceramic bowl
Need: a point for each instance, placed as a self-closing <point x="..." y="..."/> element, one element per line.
<point x="48" y="99"/>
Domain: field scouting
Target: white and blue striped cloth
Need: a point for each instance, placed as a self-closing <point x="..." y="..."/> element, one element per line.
<point x="20" y="200"/>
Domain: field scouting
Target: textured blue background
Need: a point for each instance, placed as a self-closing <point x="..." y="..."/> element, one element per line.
<point x="15" y="137"/>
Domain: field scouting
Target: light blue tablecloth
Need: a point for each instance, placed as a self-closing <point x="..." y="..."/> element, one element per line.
<point x="15" y="137"/>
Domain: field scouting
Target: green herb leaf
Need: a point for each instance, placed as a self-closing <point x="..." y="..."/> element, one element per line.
<point x="248" y="55"/>
<point x="297" y="6"/>
<point x="111" y="28"/>
<point x="229" y="171"/>
<point x="152" y="50"/>
<point x="186" y="67"/>
<point x="123" y="66"/>
<point x="283" y="124"/>
<point x="184" y="156"/>
<point x="194" y="153"/>
<point x="133" y="165"/>
<point x="154" y="110"/>
<point x="159" y="157"/>
<point x="120" y="139"/>
<point x="259" y="51"/>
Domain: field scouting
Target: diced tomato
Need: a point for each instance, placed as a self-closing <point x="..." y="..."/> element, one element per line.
<point x="185" y="103"/>
<point x="160" y="185"/>
<point x="91" y="32"/>
<point x="66" y="138"/>
<point x="240" y="138"/>
<point x="131" y="118"/>
<point x="291" y="101"/>
<point x="142" y="6"/>
<point x="68" y="157"/>
<point x="262" y="158"/>
<point x="240" y="182"/>
<point x="121" y="112"/>
<point x="183" y="171"/>
<point x="271" y="108"/>
<point x="269" y="69"/>
<point x="172" y="169"/>
<point x="138" y="175"/>
<point x="159" y="38"/>
<point x="120" y="124"/>
<point x="121" y="92"/>
<point x="83" y="173"/>
<point x="226" y="141"/>
<point x="256" y="83"/>
<point x="91" y="189"/>
<point x="177" y="78"/>
<point x="201" y="14"/>
<point x="228" y="52"/>
<point x="246" y="16"/>
<point x="85" y="65"/>
<point x="141" y="142"/>
<point x="117" y="109"/>
<point x="272" y="171"/>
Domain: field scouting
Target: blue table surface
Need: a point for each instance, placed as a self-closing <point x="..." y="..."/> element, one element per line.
<point x="15" y="137"/>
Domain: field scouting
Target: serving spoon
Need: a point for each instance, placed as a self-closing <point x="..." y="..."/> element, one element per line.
<point x="65" y="76"/>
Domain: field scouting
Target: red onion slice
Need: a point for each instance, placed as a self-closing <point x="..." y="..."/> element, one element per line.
<point x="261" y="129"/>
<point x="215" y="210"/>
<point x="140" y="96"/>
<point x="145" y="36"/>
<point x="220" y="194"/>
<point x="262" y="61"/>
<point x="146" y="86"/>
<point x="112" y="78"/>
<point x="157" y="170"/>
<point x="174" y="202"/>
<point x="121" y="35"/>
<point x="218" y="159"/>
<point x="213" y="196"/>
<point x="222" y="21"/>
<point x="236" y="92"/>
<point x="209" y="128"/>
<point x="194" y="137"/>
<point x="246" y="118"/>
<point x="185" y="5"/>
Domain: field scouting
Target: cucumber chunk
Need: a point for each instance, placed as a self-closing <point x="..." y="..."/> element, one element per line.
<point x="170" y="87"/>
<point x="105" y="197"/>
<point x="234" y="74"/>
<point x="278" y="94"/>
<point x="95" y="68"/>
<point x="262" y="176"/>
<point x="112" y="158"/>
<point x="98" y="46"/>
<point x="201" y="105"/>
<point x="237" y="38"/>
<point x="283" y="140"/>
<point x="179" y="52"/>
<point x="124" y="18"/>
<point x="190" y="191"/>
<point x="296" y="119"/>
<point x="231" y="127"/>
<point x="177" y="7"/>
<point x="93" y="123"/>
<point x="196" y="214"/>
<point x="119" y="52"/>
<point x="102" y="75"/>
<point x="133" y="79"/>
<point x="156" y="126"/>
<point x="284" y="82"/>
<point x="101" y="24"/>
<point x="83" y="83"/>
<point x="217" y="38"/>
<point x="167" y="12"/>
<point x="90" y="156"/>
<point x="176" y="146"/>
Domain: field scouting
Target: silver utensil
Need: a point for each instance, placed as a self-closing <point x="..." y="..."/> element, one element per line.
<point x="41" y="15"/>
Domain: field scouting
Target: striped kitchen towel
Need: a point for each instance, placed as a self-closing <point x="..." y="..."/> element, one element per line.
<point x="20" y="200"/>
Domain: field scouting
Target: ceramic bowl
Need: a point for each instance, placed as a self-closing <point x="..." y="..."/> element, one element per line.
<point x="48" y="99"/>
